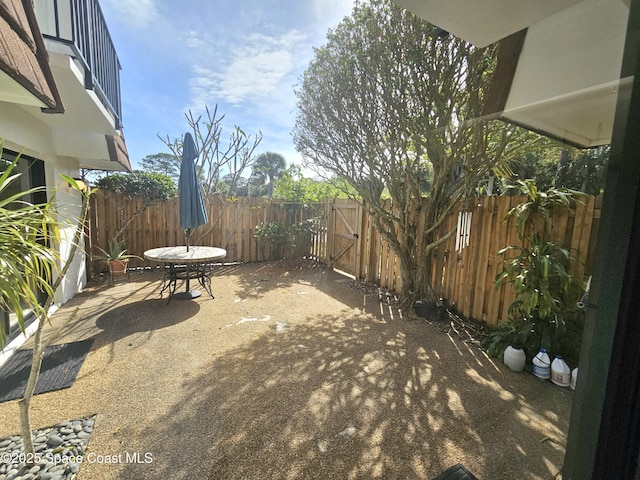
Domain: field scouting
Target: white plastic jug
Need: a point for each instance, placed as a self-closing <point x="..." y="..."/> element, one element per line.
<point x="560" y="372"/>
<point x="514" y="358"/>
<point x="542" y="364"/>
<point x="574" y="378"/>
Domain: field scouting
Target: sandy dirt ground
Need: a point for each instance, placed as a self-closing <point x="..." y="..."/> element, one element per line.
<point x="290" y="375"/>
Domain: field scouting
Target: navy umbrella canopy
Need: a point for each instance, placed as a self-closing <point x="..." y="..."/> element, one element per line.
<point x="192" y="211"/>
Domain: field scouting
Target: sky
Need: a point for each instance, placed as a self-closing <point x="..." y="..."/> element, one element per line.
<point x="245" y="56"/>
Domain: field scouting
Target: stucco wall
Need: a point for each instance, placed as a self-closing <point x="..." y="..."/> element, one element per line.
<point x="25" y="134"/>
<point x="69" y="205"/>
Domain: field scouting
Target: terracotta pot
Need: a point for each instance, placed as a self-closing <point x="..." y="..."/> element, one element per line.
<point x="118" y="267"/>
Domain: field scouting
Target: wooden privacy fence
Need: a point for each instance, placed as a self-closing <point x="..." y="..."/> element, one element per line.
<point x="463" y="267"/>
<point x="232" y="226"/>
<point x="466" y="276"/>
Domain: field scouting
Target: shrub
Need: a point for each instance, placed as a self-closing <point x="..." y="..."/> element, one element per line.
<point x="275" y="234"/>
<point x="544" y="313"/>
<point x="290" y="241"/>
<point x="150" y="187"/>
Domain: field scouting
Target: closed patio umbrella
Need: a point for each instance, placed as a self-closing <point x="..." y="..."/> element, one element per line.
<point x="192" y="211"/>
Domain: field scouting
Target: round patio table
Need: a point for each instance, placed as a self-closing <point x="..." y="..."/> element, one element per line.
<point x="184" y="265"/>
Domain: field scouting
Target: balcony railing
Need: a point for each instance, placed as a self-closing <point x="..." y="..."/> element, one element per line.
<point x="80" y="25"/>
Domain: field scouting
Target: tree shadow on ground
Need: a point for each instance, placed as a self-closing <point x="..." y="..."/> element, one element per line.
<point x="70" y="322"/>
<point x="257" y="279"/>
<point x="357" y="396"/>
<point x="144" y="316"/>
<point x="110" y="313"/>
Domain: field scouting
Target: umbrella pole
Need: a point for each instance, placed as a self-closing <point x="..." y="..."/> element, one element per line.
<point x="188" y="232"/>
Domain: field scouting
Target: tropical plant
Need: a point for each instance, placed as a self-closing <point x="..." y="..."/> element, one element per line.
<point x="545" y="310"/>
<point x="29" y="234"/>
<point x="539" y="204"/>
<point x="544" y="313"/>
<point x="268" y="168"/>
<point x="27" y="262"/>
<point x="115" y="251"/>
<point x="38" y="350"/>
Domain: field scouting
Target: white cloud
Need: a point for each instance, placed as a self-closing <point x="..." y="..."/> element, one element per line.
<point x="135" y="13"/>
<point x="256" y="69"/>
<point x="194" y="40"/>
<point x="328" y="13"/>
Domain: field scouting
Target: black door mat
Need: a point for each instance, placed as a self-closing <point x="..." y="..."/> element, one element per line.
<point x="457" y="472"/>
<point x="60" y="366"/>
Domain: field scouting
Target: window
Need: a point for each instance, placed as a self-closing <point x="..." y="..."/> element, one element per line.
<point x="32" y="175"/>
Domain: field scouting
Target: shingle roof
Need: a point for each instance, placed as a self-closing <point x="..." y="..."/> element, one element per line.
<point x="23" y="55"/>
<point x="118" y="150"/>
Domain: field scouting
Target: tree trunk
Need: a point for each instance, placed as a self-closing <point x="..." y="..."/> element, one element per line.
<point x="410" y="285"/>
<point x="25" y="401"/>
<point x="120" y="232"/>
<point x="430" y="242"/>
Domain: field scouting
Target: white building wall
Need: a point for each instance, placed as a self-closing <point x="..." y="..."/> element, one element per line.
<point x="24" y="134"/>
<point x="69" y="205"/>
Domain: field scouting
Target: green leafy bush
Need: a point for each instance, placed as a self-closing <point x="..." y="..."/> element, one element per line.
<point x="301" y="238"/>
<point x="544" y="313"/>
<point x="152" y="187"/>
<point x="290" y="241"/>
<point x="275" y="234"/>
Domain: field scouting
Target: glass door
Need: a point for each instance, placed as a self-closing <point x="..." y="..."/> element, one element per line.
<point x="32" y="175"/>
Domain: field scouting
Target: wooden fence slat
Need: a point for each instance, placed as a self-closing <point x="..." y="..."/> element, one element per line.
<point x="493" y="296"/>
<point x="485" y="212"/>
<point x="582" y="234"/>
<point x="559" y="225"/>
<point x="464" y="279"/>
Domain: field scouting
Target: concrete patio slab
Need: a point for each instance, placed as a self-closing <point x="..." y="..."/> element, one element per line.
<point x="290" y="375"/>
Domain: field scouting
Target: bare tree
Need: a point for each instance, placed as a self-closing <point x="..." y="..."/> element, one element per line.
<point x="388" y="96"/>
<point x="221" y="162"/>
<point x="218" y="158"/>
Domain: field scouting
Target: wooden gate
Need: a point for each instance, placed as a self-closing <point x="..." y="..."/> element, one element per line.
<point x="345" y="226"/>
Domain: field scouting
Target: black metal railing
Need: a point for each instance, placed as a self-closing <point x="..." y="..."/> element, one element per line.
<point x="81" y="26"/>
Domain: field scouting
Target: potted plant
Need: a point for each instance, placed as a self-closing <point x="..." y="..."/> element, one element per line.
<point x="116" y="257"/>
